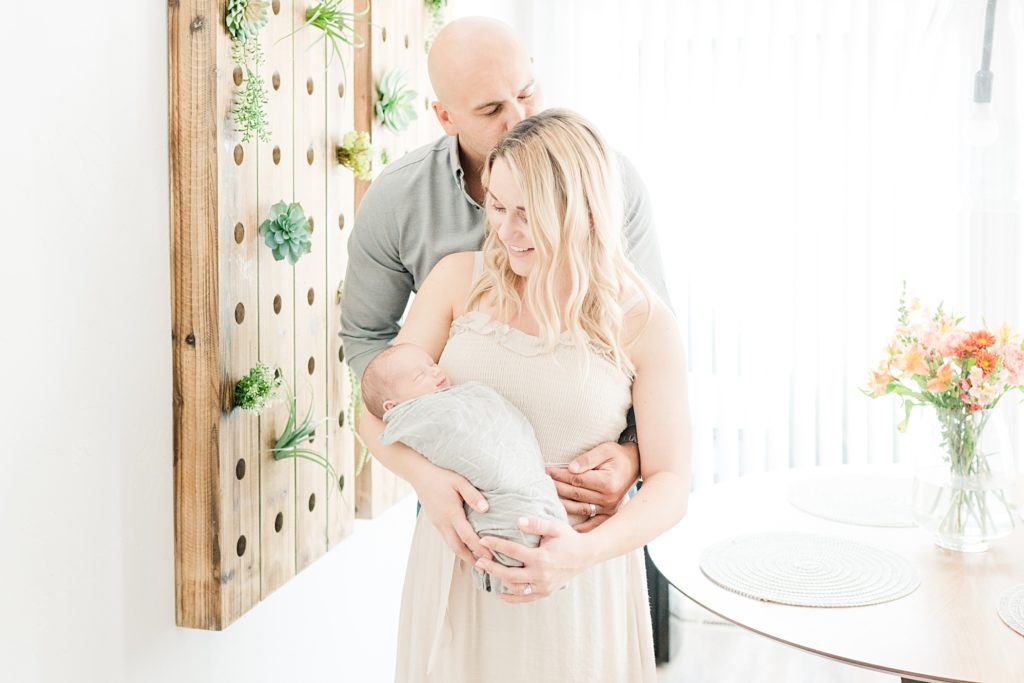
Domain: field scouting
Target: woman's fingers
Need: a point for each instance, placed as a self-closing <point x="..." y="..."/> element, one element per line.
<point x="516" y="551"/>
<point x="457" y="545"/>
<point x="508" y="575"/>
<point x="469" y="538"/>
<point x="473" y="498"/>
<point x="574" y="507"/>
<point x="576" y="493"/>
<point x="591" y="523"/>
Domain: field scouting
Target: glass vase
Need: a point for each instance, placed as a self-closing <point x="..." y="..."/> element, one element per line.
<point x="964" y="487"/>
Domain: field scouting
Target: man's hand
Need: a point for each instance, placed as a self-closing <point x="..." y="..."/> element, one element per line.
<point x="602" y="476"/>
<point x="442" y="493"/>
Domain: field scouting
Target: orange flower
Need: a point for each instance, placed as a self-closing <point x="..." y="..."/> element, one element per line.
<point x="879" y="382"/>
<point x="982" y="339"/>
<point x="942" y="380"/>
<point x="912" y="360"/>
<point x="986" y="361"/>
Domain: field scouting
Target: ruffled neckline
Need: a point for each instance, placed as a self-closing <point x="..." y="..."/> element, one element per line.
<point x="517" y="341"/>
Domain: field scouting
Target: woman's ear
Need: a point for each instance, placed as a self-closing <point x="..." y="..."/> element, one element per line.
<point x="388" y="405"/>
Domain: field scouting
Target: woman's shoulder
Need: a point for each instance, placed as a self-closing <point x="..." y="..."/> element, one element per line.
<point x="452" y="277"/>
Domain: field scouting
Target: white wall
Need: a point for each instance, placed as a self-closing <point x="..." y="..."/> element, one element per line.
<point x="86" y="509"/>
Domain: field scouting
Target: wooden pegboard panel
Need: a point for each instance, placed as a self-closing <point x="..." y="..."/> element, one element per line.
<point x="396" y="39"/>
<point x="243" y="523"/>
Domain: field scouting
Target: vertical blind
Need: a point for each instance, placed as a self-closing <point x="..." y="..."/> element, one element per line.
<point x="804" y="159"/>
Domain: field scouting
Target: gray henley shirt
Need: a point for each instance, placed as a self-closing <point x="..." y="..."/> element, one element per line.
<point x="416" y="213"/>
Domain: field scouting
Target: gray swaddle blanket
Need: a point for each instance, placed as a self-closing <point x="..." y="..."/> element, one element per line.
<point x="474" y="431"/>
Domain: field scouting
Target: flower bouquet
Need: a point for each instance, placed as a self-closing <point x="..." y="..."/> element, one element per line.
<point x="964" y="497"/>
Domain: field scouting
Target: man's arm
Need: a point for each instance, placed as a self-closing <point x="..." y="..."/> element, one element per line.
<point x="377" y="284"/>
<point x="641" y="237"/>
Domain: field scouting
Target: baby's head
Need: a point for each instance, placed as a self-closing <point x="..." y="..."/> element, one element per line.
<point x="398" y="374"/>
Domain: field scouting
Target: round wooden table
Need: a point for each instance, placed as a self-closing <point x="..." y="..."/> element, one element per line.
<point x="946" y="630"/>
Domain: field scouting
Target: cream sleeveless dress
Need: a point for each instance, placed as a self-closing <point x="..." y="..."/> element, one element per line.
<point x="596" y="629"/>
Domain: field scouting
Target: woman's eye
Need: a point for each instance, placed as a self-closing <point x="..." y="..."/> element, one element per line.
<point x="499" y="209"/>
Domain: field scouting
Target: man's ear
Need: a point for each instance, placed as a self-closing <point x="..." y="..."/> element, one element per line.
<point x="388" y="405"/>
<point x="444" y="118"/>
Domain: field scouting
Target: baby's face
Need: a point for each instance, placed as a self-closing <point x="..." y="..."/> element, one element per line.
<point x="415" y="374"/>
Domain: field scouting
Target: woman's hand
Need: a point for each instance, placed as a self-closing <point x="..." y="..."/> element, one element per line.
<point x="563" y="553"/>
<point x="602" y="476"/>
<point x="442" y="493"/>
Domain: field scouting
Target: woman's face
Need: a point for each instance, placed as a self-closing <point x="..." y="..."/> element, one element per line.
<point x="506" y="214"/>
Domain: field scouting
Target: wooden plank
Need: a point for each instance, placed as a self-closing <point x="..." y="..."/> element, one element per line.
<point x="276" y="306"/>
<point x="238" y="239"/>
<point x="194" y="325"/>
<point x="398" y="41"/>
<point x="340" y="211"/>
<point x="310" y="173"/>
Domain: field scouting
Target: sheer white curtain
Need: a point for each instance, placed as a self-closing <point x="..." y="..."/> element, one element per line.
<point x="804" y="158"/>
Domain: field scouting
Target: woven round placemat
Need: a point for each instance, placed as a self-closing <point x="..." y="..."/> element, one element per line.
<point x="856" y="499"/>
<point x="1011" y="608"/>
<point x="808" y="570"/>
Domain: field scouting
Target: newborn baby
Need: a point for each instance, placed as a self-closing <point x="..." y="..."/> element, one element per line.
<point x="469" y="429"/>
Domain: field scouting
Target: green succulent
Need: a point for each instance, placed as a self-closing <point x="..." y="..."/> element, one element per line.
<point x="286" y="232"/>
<point x="245" y="18"/>
<point x="385" y="157"/>
<point x="355" y="152"/>
<point x="295" y="433"/>
<point x="394" y="102"/>
<point x="258" y="388"/>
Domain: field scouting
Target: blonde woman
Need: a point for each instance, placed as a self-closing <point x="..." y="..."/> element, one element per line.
<point x="552" y="316"/>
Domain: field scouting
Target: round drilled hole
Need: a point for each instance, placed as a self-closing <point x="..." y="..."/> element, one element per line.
<point x="239" y="233"/>
<point x="311" y="225"/>
<point x="426" y="104"/>
<point x="341" y="483"/>
<point x="239" y="155"/>
<point x="309" y="156"/>
<point x="312" y="437"/>
<point x="341" y="221"/>
<point x="240" y="468"/>
<point x="275" y="81"/>
<point x="277" y="303"/>
<point x="311" y="365"/>
<point x="341" y="354"/>
<point x="276" y="6"/>
<point x="237" y="75"/>
<point x="341" y="419"/>
<point x="239" y="313"/>
<point x="341" y="90"/>
<point x="279" y="521"/>
<point x="240" y="546"/>
<point x="310" y="295"/>
<point x="312" y="501"/>
<point x="406" y="41"/>
<point x="276" y="155"/>
<point x="383" y="34"/>
<point x="309" y="86"/>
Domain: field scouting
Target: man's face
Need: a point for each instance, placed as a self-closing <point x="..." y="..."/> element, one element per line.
<point x="498" y="94"/>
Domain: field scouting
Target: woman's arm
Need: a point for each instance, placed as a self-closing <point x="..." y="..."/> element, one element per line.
<point x="663" y="427"/>
<point x="441" y="491"/>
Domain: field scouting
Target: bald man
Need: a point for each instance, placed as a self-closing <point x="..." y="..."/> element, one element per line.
<point x="429" y="204"/>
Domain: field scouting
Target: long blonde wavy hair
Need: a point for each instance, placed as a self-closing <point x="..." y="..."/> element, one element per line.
<point x="573" y="199"/>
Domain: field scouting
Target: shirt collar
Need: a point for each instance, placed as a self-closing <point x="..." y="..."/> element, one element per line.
<point x="453" y="159"/>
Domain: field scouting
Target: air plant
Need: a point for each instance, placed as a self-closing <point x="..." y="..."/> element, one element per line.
<point x="286" y="232"/>
<point x="258" y="388"/>
<point x="245" y="18"/>
<point x="385" y="157"/>
<point x="296" y="433"/>
<point x="394" y="102"/>
<point x="250" y="104"/>
<point x="337" y="24"/>
<point x="356" y="153"/>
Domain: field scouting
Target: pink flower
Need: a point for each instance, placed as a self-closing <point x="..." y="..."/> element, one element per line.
<point x="1013" y="363"/>
<point x="950" y="341"/>
<point x="878" y="383"/>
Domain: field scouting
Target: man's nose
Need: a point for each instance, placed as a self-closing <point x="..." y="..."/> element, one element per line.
<point x="516" y="113"/>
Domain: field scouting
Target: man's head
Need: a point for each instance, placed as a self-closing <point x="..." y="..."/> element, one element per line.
<point x="484" y="82"/>
<point x="400" y="373"/>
